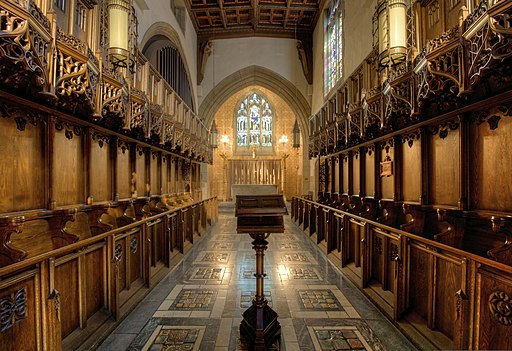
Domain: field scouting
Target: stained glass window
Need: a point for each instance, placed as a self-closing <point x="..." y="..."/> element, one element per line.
<point x="254" y="122"/>
<point x="333" y="48"/>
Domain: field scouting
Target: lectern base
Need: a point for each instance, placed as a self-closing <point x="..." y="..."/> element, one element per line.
<point x="260" y="327"/>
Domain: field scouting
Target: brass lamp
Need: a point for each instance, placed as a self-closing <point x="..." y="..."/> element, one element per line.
<point x="213" y="135"/>
<point x="119" y="50"/>
<point x="296" y="136"/>
<point x="392" y="30"/>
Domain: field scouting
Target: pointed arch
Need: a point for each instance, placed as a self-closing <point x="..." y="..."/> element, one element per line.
<point x="257" y="75"/>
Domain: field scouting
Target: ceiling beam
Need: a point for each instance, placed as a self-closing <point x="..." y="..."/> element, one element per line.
<point x="221" y="5"/>
<point x="298" y="7"/>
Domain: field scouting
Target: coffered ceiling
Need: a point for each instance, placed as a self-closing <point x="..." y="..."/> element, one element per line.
<point x="218" y="19"/>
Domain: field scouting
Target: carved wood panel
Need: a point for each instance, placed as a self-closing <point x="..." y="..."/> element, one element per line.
<point x="356" y="171"/>
<point x="95" y="281"/>
<point x="100" y="179"/>
<point x="369" y="173"/>
<point x="66" y="283"/>
<point x="68" y="170"/>
<point x="123" y="175"/>
<point x="345" y="174"/>
<point x="388" y="182"/>
<point x="22" y="171"/>
<point x="411" y="169"/>
<point x="140" y="170"/>
<point x="445" y="166"/>
<point x="155" y="186"/>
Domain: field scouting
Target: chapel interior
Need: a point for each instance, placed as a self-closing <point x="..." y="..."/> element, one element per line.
<point x="129" y="128"/>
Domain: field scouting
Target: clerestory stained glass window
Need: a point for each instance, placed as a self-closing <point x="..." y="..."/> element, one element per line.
<point x="254" y="122"/>
<point x="333" y="46"/>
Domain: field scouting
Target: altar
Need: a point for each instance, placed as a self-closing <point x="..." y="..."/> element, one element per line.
<point x="253" y="189"/>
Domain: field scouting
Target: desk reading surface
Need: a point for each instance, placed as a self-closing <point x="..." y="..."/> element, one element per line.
<point x="260" y="213"/>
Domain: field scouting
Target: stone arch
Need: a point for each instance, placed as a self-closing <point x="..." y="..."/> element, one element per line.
<point x="257" y="75"/>
<point x="264" y="77"/>
<point x="159" y="30"/>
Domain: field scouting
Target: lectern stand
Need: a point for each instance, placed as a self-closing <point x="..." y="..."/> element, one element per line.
<point x="260" y="215"/>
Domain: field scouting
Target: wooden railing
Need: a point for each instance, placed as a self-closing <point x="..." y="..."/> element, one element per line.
<point x="66" y="297"/>
<point x="442" y="297"/>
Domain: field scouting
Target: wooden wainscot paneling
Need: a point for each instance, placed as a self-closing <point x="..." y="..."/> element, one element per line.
<point x="140" y="171"/>
<point x="100" y="168"/>
<point x="493" y="306"/>
<point x="369" y="174"/>
<point x="437" y="279"/>
<point x="356" y="172"/>
<point x="491" y="160"/>
<point x="68" y="170"/>
<point x="21" y="324"/>
<point x="411" y="166"/>
<point x="387" y="180"/>
<point x="383" y="261"/>
<point x="156" y="187"/>
<point x="444" y="163"/>
<point x="346" y="162"/>
<point x="123" y="176"/>
<point x="22" y="172"/>
<point x="166" y="184"/>
<point x="67" y="284"/>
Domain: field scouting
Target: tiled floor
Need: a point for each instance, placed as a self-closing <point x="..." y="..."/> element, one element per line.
<point x="199" y="305"/>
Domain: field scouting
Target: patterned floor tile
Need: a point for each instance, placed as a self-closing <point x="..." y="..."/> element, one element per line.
<point x="179" y="338"/>
<point x="213" y="257"/>
<point x="296" y="257"/>
<point x="303" y="273"/>
<point x="207" y="273"/>
<point x="222" y="246"/>
<point x="246" y="298"/>
<point x="289" y="246"/>
<point x="194" y="300"/>
<point x="338" y="338"/>
<point x="318" y="300"/>
<point x="247" y="273"/>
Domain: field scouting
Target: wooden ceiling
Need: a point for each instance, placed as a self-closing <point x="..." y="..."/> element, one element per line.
<point x="218" y="19"/>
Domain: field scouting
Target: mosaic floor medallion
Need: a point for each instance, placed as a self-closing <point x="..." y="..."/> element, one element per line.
<point x="179" y="338"/>
<point x="303" y="273"/>
<point x="246" y="298"/>
<point x="318" y="300"/>
<point x="208" y="273"/>
<point x="338" y="338"/>
<point x="194" y="300"/>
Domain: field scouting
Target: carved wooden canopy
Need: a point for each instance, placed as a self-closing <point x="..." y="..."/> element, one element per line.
<point x="217" y="19"/>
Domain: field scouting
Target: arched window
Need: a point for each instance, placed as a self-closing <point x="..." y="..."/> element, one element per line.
<point x="333" y="45"/>
<point x="254" y="122"/>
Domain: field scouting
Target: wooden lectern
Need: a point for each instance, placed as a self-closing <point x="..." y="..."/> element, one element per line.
<point x="260" y="215"/>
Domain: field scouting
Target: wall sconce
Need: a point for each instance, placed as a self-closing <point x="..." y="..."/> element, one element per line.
<point x="392" y="29"/>
<point x="213" y="135"/>
<point x="224" y="139"/>
<point x="119" y="22"/>
<point x="296" y="135"/>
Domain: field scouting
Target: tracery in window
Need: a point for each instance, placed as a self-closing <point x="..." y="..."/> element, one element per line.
<point x="333" y="48"/>
<point x="254" y="122"/>
<point x="61" y="4"/>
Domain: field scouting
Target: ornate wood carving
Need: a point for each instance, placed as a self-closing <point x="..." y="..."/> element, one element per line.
<point x="411" y="137"/>
<point x="8" y="253"/>
<point x="500" y="305"/>
<point x="13" y="309"/>
<point x="21" y="115"/>
<point x="24" y="50"/>
<point x="68" y="128"/>
<point x="444" y="127"/>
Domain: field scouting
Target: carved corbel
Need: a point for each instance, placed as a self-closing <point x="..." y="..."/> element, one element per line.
<point x="8" y="253"/>
<point x="305" y="51"/>
<point x="205" y="49"/>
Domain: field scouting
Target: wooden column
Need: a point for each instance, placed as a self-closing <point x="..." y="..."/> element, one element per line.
<point x="397" y="168"/>
<point x="362" y="171"/>
<point x="113" y="164"/>
<point x="464" y="157"/>
<point x="49" y="141"/>
<point x="378" y="186"/>
<point x="425" y="166"/>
